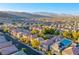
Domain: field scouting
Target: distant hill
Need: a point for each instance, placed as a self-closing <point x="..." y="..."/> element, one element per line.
<point x="12" y="14"/>
<point x="58" y="17"/>
<point x="55" y="14"/>
<point x="45" y="15"/>
<point x="7" y="15"/>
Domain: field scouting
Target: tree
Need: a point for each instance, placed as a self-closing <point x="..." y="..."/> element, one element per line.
<point x="35" y="43"/>
<point x="6" y="29"/>
<point x="40" y="34"/>
<point x="78" y="33"/>
<point x="34" y="31"/>
<point x="49" y="31"/>
<point x="74" y="34"/>
<point x="57" y="32"/>
<point x="66" y="34"/>
<point x="21" y="38"/>
<point x="27" y="41"/>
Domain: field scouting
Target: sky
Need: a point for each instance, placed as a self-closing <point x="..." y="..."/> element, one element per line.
<point x="68" y="8"/>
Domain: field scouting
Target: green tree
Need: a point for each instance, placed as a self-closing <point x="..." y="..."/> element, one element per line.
<point x="49" y="31"/>
<point x="34" y="31"/>
<point x="5" y="29"/>
<point x="35" y="43"/>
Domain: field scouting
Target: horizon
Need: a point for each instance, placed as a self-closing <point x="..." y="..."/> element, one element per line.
<point x="59" y="8"/>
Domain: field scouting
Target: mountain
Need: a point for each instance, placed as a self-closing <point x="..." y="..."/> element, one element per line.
<point x="25" y="15"/>
<point x="7" y="15"/>
<point x="15" y="16"/>
<point x="46" y="14"/>
<point x="55" y="14"/>
<point x="21" y="14"/>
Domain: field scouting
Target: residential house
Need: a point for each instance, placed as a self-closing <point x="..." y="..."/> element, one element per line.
<point x="8" y="50"/>
<point x="13" y="32"/>
<point x="59" y="46"/>
<point x="5" y="44"/>
<point x="77" y="41"/>
<point x="2" y="39"/>
<point x="71" y="51"/>
<point x="37" y="28"/>
<point x="34" y="36"/>
<point x="47" y="43"/>
<point x="16" y="32"/>
<point x="25" y="37"/>
<point x="40" y="39"/>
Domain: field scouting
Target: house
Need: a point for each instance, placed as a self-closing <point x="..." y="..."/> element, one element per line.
<point x="56" y="38"/>
<point x="71" y="51"/>
<point x="2" y="39"/>
<point x="1" y="34"/>
<point x="25" y="37"/>
<point x="21" y="34"/>
<point x="40" y="39"/>
<point x="12" y="32"/>
<point x="59" y="46"/>
<point x="8" y="50"/>
<point x="37" y="28"/>
<point x="25" y="33"/>
<point x="5" y="44"/>
<point x="16" y="32"/>
<point x="34" y="36"/>
<point x="77" y="41"/>
<point x="47" y="43"/>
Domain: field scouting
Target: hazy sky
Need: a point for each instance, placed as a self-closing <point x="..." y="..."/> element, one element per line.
<point x="69" y="8"/>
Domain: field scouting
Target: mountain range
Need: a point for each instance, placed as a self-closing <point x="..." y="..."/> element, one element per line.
<point x="12" y="14"/>
<point x="26" y="15"/>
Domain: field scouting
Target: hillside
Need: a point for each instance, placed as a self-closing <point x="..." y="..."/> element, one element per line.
<point x="12" y="14"/>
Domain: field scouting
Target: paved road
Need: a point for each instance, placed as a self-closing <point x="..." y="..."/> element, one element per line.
<point x="19" y="45"/>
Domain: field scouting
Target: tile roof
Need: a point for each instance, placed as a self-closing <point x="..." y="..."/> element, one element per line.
<point x="75" y="50"/>
<point x="52" y="40"/>
<point x="8" y="50"/>
<point x="71" y="51"/>
<point x="2" y="39"/>
<point x="5" y="44"/>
